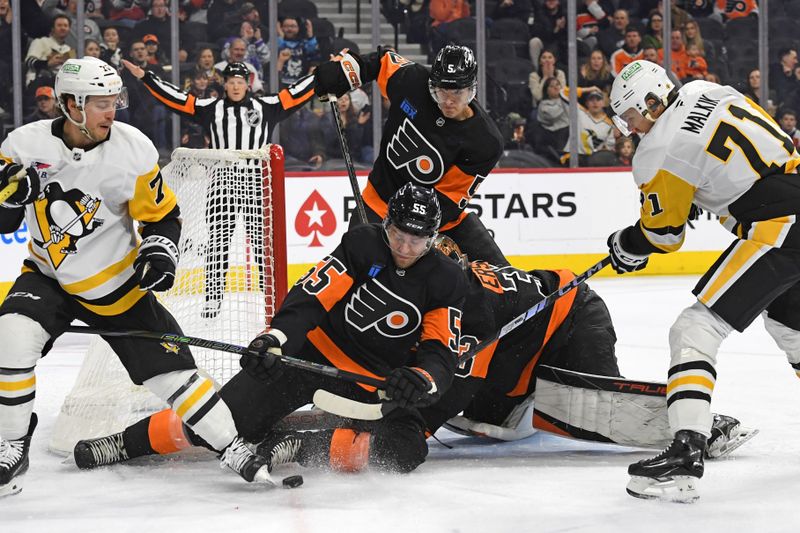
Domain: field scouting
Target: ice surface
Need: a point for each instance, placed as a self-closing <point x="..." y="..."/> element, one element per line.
<point x="541" y="484"/>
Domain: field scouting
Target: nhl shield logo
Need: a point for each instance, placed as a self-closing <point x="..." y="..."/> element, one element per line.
<point x="252" y="117"/>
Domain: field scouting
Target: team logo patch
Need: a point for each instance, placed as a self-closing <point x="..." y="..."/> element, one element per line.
<point x="409" y="149"/>
<point x="374" y="306"/>
<point x="408" y="109"/>
<point x="170" y="347"/>
<point x="63" y="218"/>
<point x="630" y="71"/>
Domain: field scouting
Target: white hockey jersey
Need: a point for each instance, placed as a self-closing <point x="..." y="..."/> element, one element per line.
<point x="709" y="148"/>
<point x="82" y="225"/>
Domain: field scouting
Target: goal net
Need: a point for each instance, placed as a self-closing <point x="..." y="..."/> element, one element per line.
<point x="231" y="277"/>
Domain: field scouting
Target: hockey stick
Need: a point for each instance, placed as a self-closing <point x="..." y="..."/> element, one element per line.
<point x="351" y="172"/>
<point x="348" y="408"/>
<point x="173" y="338"/>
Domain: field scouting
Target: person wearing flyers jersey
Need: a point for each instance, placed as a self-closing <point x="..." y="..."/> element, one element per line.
<point x="436" y="135"/>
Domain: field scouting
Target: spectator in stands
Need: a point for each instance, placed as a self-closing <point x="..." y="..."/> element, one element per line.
<point x="517" y="140"/>
<point x="257" y="50"/>
<point x="595" y="128"/>
<point x="630" y="51"/>
<point x="787" y="119"/>
<point x="47" y="54"/>
<point x="596" y="71"/>
<point x="236" y="54"/>
<point x="549" y="30"/>
<point x="692" y="35"/>
<point x="303" y="127"/>
<point x="538" y="78"/>
<point x="192" y="133"/>
<point x="205" y="65"/>
<point x="218" y="13"/>
<point x="654" y="33"/>
<point x="513" y="9"/>
<point x="753" y="91"/>
<point x="713" y="77"/>
<point x="612" y="38"/>
<point x="781" y="76"/>
<point x="553" y="117"/>
<point x="91" y="48"/>
<point x="154" y="54"/>
<point x="46" y="107"/>
<point x="591" y="17"/>
<point x="145" y="112"/>
<point x="247" y="13"/>
<point x="678" y="55"/>
<point x="442" y="13"/>
<point x="650" y="53"/>
<point x="158" y="24"/>
<point x="90" y="28"/>
<point x="725" y="10"/>
<point x="110" y="50"/>
<point x="696" y="66"/>
<point x="357" y="130"/>
<point x="625" y="149"/>
<point x="128" y="12"/>
<point x="303" y="47"/>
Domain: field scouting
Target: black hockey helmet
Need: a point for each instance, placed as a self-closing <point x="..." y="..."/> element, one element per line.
<point x="454" y="68"/>
<point x="415" y="210"/>
<point x="236" y="70"/>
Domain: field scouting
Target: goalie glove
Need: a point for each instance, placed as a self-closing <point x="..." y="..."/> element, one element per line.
<point x="621" y="261"/>
<point x="156" y="262"/>
<point x="266" y="349"/>
<point x="28" y="187"/>
<point x="410" y="387"/>
<point x="338" y="76"/>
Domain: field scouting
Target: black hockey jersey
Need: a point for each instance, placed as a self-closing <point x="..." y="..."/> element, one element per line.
<point x="496" y="296"/>
<point x="365" y="315"/>
<point x="422" y="146"/>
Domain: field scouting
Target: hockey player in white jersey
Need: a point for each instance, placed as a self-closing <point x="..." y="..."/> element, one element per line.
<point x="81" y="188"/>
<point x="709" y="145"/>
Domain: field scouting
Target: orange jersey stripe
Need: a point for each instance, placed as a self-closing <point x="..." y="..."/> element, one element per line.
<point x="480" y="365"/>
<point x="454" y="223"/>
<point x="455" y="184"/>
<point x="374" y="201"/>
<point x="561" y="309"/>
<point x="288" y="101"/>
<point x="337" y="357"/>
<point x="349" y="450"/>
<point x="390" y="63"/>
<point x="165" y="432"/>
<point x="187" y="107"/>
<point x="436" y="327"/>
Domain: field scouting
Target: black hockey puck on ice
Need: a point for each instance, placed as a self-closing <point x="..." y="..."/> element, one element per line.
<point x="292" y="482"/>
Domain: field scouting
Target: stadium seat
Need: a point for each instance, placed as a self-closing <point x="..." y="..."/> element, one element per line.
<point x="512" y="31"/>
<point x="738" y="30"/>
<point x="325" y="34"/>
<point x="301" y="8"/>
<point x="522" y="159"/>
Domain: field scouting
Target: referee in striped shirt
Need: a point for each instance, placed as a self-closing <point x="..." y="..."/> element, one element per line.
<point x="237" y="121"/>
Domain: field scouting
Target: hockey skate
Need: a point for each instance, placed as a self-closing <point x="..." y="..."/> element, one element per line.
<point x="672" y="475"/>
<point x="252" y="467"/>
<point x="727" y="434"/>
<point x="14" y="461"/>
<point x="280" y="448"/>
<point x="91" y="453"/>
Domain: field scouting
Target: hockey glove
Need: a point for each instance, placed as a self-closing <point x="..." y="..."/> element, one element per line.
<point x="262" y="363"/>
<point x="156" y="262"/>
<point x="337" y="76"/>
<point x="27" y="185"/>
<point x="621" y="261"/>
<point x="410" y="387"/>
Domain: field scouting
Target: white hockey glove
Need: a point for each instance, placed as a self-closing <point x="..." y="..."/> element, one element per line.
<point x="621" y="261"/>
<point x="156" y="263"/>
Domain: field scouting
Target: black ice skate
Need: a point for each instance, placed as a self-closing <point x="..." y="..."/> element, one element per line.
<point x="91" y="453"/>
<point x="672" y="475"/>
<point x="727" y="434"/>
<point x="280" y="448"/>
<point x="252" y="467"/>
<point x="14" y="461"/>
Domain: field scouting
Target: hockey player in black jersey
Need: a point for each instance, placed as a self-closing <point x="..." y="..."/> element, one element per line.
<point x="384" y="303"/>
<point x="436" y="135"/>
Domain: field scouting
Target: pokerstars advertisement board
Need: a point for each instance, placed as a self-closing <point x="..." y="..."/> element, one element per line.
<point x="552" y="218"/>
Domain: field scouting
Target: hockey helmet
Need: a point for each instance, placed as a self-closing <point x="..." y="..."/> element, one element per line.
<point x="448" y="247"/>
<point x="454" y="67"/>
<point x="414" y="209"/>
<point x="86" y="77"/>
<point x="639" y="82"/>
<point x="236" y="69"/>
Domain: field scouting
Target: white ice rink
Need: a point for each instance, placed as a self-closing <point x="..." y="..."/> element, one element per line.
<point x="541" y="484"/>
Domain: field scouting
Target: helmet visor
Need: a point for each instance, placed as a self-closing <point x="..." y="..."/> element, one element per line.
<point x="405" y="244"/>
<point x="626" y="121"/>
<point x="462" y="96"/>
<point x="101" y="104"/>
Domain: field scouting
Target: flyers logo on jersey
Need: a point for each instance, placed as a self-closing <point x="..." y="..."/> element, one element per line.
<point x="409" y="149"/>
<point x="374" y="306"/>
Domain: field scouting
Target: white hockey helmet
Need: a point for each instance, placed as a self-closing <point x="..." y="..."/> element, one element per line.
<point x="638" y="82"/>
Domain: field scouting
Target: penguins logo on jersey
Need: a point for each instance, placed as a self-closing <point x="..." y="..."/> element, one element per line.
<point x="410" y="149"/>
<point x="374" y="306"/>
<point x="63" y="218"/>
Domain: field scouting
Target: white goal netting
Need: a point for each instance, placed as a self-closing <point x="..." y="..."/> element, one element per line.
<point x="230" y="278"/>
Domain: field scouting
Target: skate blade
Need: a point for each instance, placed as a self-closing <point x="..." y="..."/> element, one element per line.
<point x="679" y="489"/>
<point x="739" y="436"/>
<point x="12" y="487"/>
<point x="263" y="477"/>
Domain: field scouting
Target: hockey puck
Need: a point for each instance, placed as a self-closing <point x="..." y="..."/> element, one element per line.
<point x="292" y="482"/>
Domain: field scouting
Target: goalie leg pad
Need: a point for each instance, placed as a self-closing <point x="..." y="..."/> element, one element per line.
<point x="195" y="401"/>
<point x="517" y="425"/>
<point x="24" y="340"/>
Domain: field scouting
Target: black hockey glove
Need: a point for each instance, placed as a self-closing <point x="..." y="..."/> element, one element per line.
<point x="621" y="261"/>
<point x="156" y="262"/>
<point x="27" y="185"/>
<point x="337" y="76"/>
<point x="410" y="387"/>
<point x="262" y="363"/>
